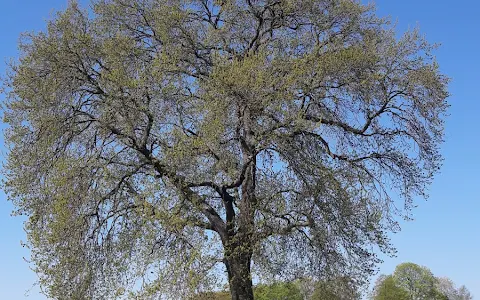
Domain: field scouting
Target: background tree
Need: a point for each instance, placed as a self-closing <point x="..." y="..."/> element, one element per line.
<point x="156" y="144"/>
<point x="448" y="288"/>
<point x="341" y="288"/>
<point x="387" y="289"/>
<point x="212" y="296"/>
<point x="278" y="291"/>
<point x="418" y="281"/>
<point x="411" y="281"/>
<point x="306" y="286"/>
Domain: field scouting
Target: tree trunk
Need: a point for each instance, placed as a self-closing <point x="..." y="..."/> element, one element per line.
<point x="239" y="276"/>
<point x="238" y="247"/>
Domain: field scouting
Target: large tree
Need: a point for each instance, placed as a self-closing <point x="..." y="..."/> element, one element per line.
<point x="155" y="144"/>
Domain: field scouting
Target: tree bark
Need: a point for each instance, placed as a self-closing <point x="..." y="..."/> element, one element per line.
<point x="239" y="247"/>
<point x="239" y="275"/>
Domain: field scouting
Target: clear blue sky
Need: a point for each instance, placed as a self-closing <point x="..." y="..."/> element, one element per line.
<point x="444" y="236"/>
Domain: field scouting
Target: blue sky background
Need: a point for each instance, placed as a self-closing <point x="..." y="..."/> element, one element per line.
<point x="445" y="233"/>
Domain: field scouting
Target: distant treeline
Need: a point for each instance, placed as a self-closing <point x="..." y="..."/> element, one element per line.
<point x="409" y="281"/>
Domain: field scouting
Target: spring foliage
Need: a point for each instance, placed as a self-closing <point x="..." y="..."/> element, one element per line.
<point x="155" y="145"/>
<point x="411" y="281"/>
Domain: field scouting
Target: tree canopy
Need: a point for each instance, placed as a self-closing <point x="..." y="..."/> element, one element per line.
<point x="447" y="288"/>
<point x="388" y="289"/>
<point x="163" y="148"/>
<point x="418" y="281"/>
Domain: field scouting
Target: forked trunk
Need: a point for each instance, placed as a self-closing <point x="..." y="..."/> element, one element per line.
<point x="238" y="248"/>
